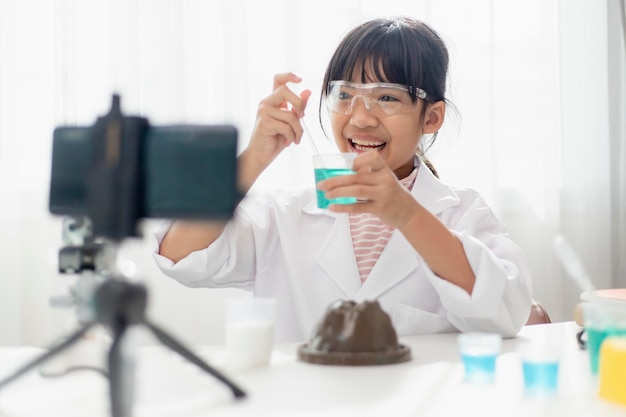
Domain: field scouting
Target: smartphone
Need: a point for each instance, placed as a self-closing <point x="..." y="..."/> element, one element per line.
<point x="185" y="172"/>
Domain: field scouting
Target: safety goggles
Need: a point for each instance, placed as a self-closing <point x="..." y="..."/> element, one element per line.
<point x="381" y="99"/>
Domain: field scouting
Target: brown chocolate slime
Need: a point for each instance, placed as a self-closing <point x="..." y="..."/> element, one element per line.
<point x="354" y="334"/>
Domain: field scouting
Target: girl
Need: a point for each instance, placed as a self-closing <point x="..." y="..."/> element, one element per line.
<point x="435" y="257"/>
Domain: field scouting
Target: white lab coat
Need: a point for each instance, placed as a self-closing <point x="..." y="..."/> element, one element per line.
<point x="283" y="246"/>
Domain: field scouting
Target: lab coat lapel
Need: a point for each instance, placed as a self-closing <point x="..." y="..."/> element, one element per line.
<point x="337" y="259"/>
<point x="398" y="260"/>
<point x="395" y="263"/>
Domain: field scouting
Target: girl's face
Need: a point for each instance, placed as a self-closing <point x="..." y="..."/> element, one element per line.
<point x="395" y="137"/>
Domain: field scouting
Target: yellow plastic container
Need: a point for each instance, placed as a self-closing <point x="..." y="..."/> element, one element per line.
<point x="612" y="370"/>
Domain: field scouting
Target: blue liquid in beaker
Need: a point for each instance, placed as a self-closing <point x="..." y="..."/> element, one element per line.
<point x="480" y="369"/>
<point x="540" y="378"/>
<point x="324" y="173"/>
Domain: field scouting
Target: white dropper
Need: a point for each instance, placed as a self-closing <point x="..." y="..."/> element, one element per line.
<point x="309" y="137"/>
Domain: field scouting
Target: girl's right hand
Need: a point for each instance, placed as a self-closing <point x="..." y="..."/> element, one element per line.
<point x="278" y="121"/>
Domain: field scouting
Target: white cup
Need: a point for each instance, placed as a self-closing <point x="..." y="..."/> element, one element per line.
<point x="249" y="331"/>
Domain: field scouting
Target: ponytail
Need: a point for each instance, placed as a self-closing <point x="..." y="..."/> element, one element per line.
<point x="430" y="167"/>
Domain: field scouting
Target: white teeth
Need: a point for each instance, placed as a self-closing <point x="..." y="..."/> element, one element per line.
<point x="369" y="144"/>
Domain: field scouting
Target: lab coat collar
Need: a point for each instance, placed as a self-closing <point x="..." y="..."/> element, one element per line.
<point x="431" y="193"/>
<point x="397" y="260"/>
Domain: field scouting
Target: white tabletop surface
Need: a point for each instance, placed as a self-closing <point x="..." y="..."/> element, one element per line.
<point x="431" y="384"/>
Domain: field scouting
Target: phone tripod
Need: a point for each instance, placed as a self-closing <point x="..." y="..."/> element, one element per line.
<point x="108" y="189"/>
<point x="119" y="304"/>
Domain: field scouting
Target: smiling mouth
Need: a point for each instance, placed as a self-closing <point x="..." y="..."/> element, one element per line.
<point x="360" y="146"/>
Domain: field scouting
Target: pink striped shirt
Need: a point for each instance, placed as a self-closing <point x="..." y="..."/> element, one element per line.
<point x="370" y="235"/>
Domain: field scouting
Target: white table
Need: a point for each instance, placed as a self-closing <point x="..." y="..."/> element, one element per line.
<point x="429" y="385"/>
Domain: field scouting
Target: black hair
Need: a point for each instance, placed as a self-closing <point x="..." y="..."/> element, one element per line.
<point x="399" y="50"/>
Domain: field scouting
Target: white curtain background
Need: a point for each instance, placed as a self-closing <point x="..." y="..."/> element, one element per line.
<point x="539" y="86"/>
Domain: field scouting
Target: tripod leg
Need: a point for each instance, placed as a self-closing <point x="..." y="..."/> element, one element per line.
<point x="59" y="347"/>
<point x="120" y="377"/>
<point x="179" y="348"/>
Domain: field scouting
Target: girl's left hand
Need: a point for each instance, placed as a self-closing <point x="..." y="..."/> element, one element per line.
<point x="376" y="187"/>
